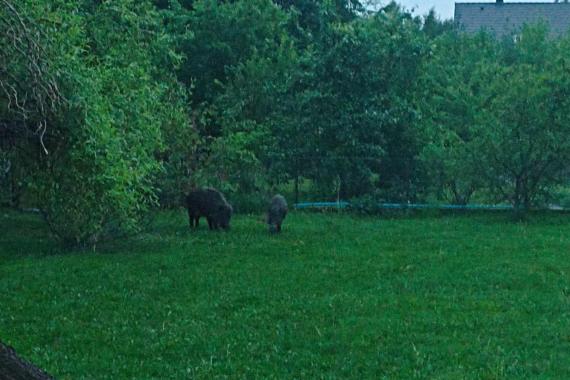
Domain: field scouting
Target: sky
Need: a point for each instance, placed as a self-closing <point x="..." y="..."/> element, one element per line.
<point x="445" y="8"/>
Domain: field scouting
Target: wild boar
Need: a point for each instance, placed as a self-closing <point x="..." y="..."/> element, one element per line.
<point x="276" y="213"/>
<point x="210" y="203"/>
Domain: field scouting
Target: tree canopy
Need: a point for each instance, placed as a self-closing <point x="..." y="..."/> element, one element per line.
<point x="109" y="109"/>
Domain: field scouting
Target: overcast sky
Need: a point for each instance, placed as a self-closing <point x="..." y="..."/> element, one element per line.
<point x="444" y="8"/>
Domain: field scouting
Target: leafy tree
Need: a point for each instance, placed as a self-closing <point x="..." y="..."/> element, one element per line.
<point x="98" y="178"/>
<point x="433" y="26"/>
<point x="524" y="145"/>
<point x="453" y="98"/>
<point x="495" y="116"/>
<point x="29" y="93"/>
<point x="323" y="112"/>
<point x="227" y="46"/>
<point x="315" y="15"/>
<point x="224" y="35"/>
<point x="108" y="107"/>
<point x="402" y="48"/>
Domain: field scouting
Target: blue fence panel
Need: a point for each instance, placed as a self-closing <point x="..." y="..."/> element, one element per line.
<point x="322" y="205"/>
<point x="402" y="206"/>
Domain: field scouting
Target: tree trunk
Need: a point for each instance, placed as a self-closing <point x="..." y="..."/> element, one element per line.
<point x="13" y="367"/>
<point x="296" y="189"/>
<point x="519" y="202"/>
<point x="460" y="198"/>
<point x="15" y="191"/>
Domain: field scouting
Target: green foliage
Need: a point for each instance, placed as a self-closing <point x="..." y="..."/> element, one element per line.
<point x="433" y="27"/>
<point x="369" y="204"/>
<point x="130" y="104"/>
<point x="223" y="36"/>
<point x="29" y="94"/>
<point x="233" y="168"/>
<point x="453" y="98"/>
<point x="364" y="74"/>
<point x="525" y="144"/>
<point x="321" y="113"/>
<point x="28" y="87"/>
<point x="325" y="109"/>
<point x="495" y="117"/>
<point x="102" y="175"/>
<point x="98" y="178"/>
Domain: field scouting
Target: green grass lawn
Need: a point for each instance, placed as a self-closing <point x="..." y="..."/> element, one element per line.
<point x="334" y="296"/>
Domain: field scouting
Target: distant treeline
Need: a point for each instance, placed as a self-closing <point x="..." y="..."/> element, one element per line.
<point x="111" y="108"/>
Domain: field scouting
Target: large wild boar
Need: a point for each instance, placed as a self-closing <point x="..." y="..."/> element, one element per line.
<point x="276" y="213"/>
<point x="210" y="203"/>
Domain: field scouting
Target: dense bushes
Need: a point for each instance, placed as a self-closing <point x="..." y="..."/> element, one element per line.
<point x="98" y="177"/>
<point x="110" y="108"/>
<point x="495" y="120"/>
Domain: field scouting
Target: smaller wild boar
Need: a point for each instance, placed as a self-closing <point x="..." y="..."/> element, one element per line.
<point x="276" y="213"/>
<point x="210" y="203"/>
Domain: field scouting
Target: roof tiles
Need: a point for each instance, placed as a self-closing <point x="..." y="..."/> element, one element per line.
<point x="506" y="18"/>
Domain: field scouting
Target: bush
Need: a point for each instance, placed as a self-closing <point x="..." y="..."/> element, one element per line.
<point x="367" y="205"/>
<point x="99" y="177"/>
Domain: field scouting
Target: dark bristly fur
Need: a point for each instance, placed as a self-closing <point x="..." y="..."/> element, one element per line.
<point x="210" y="203"/>
<point x="276" y="213"/>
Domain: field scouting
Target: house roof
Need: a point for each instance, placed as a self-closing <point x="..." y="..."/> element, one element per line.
<point x="505" y="18"/>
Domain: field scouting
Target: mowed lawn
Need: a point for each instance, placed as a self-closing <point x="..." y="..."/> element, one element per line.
<point x="333" y="296"/>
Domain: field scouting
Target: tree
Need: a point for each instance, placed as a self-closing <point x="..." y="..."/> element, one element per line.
<point x="433" y="26"/>
<point x="525" y="143"/>
<point x="496" y="117"/>
<point x="99" y="176"/>
<point x="325" y="112"/>
<point x="453" y="99"/>
<point x="29" y="93"/>
<point x="236" y="53"/>
<point x="399" y="49"/>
